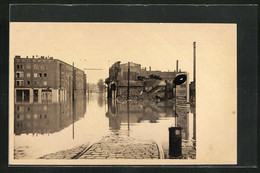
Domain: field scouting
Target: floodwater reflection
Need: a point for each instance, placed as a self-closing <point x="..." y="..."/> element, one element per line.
<point x="131" y="113"/>
<point x="141" y="113"/>
<point x="43" y="128"/>
<point x="47" y="117"/>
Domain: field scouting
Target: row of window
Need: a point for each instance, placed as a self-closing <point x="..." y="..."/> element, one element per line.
<point x="35" y="67"/>
<point x="21" y="83"/>
<point x="29" y="116"/>
<point x="21" y="108"/>
<point x="20" y="75"/>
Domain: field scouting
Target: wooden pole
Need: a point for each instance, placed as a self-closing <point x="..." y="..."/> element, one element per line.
<point x="73" y="101"/>
<point x="194" y="62"/>
<point x="175" y="105"/>
<point x="194" y="80"/>
<point x="128" y="78"/>
<point x="73" y="83"/>
<point x="128" y="118"/>
<point x="60" y="84"/>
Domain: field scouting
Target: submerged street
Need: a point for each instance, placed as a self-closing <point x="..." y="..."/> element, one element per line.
<point x="94" y="127"/>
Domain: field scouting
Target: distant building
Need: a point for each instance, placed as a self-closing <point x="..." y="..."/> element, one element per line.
<point x="46" y="79"/>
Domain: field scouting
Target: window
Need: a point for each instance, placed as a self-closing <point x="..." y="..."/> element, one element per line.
<point x="35" y="75"/>
<point x="28" y="75"/>
<point x="19" y="83"/>
<point x="35" y="83"/>
<point x="19" y="66"/>
<point x="28" y="116"/>
<point x="28" y="82"/>
<point x="40" y="74"/>
<point x="28" y="66"/>
<point x="45" y="74"/>
<point x="45" y="83"/>
<point x="19" y="74"/>
<point x="35" y="66"/>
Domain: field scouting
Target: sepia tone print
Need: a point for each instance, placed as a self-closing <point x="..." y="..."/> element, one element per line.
<point x="82" y="93"/>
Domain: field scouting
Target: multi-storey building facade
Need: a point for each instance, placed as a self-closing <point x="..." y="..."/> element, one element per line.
<point x="46" y="79"/>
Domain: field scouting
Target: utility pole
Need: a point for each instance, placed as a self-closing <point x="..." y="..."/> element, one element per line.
<point x="73" y="101"/>
<point x="128" y="78"/>
<point x="60" y="84"/>
<point x="73" y="82"/>
<point x="194" y="81"/>
<point x="194" y="63"/>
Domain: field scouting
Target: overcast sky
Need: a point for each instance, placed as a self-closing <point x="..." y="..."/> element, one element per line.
<point x="99" y="45"/>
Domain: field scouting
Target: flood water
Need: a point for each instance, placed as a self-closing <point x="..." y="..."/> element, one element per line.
<point x="43" y="128"/>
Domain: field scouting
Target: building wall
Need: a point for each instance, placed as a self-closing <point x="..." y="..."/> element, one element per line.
<point x="36" y="73"/>
<point x="42" y="74"/>
<point x="135" y="70"/>
<point x="66" y="75"/>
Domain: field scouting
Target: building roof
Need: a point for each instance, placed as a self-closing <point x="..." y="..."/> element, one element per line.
<point x="43" y="59"/>
<point x="131" y="64"/>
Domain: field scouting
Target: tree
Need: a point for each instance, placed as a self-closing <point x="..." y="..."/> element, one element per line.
<point x="101" y="85"/>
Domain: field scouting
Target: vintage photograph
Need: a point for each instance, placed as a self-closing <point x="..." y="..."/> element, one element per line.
<point x="112" y="91"/>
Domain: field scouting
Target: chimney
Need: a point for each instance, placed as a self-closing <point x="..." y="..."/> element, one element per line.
<point x="177" y="66"/>
<point x="33" y="56"/>
<point x="26" y="56"/>
<point x="149" y="68"/>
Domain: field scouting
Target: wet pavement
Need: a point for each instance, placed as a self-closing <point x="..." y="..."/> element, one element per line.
<point x="118" y="147"/>
<point x="65" y="154"/>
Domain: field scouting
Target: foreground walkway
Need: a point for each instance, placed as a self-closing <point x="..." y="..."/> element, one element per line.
<point x="116" y="147"/>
